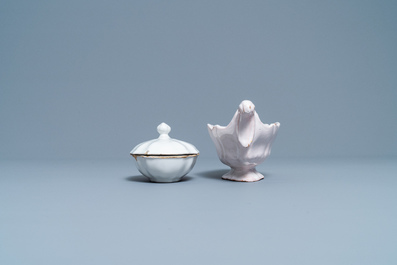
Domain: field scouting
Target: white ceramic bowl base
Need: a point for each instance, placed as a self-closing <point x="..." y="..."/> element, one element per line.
<point x="243" y="174"/>
<point x="163" y="169"/>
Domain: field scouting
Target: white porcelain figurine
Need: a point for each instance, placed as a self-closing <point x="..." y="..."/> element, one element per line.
<point x="244" y="143"/>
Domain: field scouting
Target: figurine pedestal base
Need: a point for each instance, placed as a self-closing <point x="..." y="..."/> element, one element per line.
<point x="243" y="174"/>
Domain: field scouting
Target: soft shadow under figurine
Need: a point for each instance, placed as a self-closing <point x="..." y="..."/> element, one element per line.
<point x="213" y="174"/>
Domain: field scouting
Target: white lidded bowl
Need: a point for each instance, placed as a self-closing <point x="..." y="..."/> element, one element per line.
<point x="164" y="159"/>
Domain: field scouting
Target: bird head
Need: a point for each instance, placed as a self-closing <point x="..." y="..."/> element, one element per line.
<point x="246" y="107"/>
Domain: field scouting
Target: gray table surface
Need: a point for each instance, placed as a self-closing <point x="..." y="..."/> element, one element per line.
<point x="341" y="211"/>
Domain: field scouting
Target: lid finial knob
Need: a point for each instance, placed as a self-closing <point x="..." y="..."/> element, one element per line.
<point x="163" y="129"/>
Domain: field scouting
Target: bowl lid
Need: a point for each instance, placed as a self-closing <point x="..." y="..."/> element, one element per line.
<point x="164" y="145"/>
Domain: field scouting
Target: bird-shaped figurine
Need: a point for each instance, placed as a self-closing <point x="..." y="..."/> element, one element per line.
<point x="244" y="143"/>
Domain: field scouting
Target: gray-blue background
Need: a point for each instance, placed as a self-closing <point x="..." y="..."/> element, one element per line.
<point x="91" y="79"/>
<point x="86" y="80"/>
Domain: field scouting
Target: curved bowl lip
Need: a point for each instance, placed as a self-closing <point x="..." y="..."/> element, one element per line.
<point x="165" y="156"/>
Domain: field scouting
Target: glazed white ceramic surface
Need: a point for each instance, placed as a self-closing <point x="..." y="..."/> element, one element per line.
<point x="164" y="159"/>
<point x="163" y="169"/>
<point x="164" y="145"/>
<point x="244" y="143"/>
